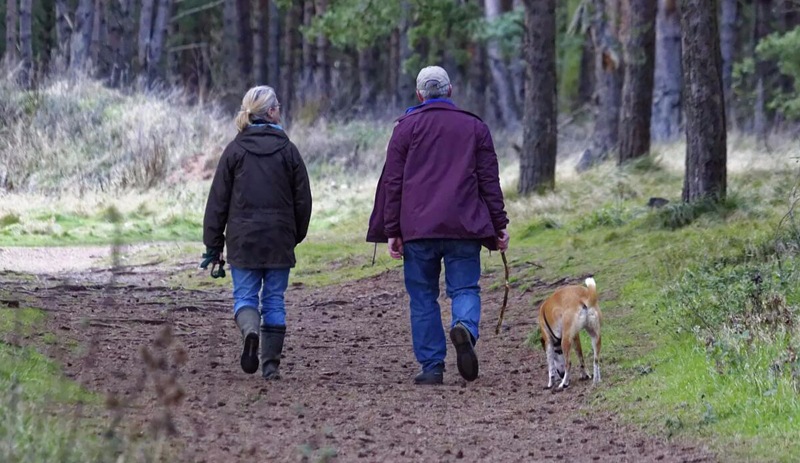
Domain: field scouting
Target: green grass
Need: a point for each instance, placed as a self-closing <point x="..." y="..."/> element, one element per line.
<point x="46" y="417"/>
<point x="654" y="268"/>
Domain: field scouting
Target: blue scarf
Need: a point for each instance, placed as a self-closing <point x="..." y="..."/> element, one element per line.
<point x="262" y="124"/>
<point x="432" y="100"/>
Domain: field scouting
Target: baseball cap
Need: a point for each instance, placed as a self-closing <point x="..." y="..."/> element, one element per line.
<point x="432" y="77"/>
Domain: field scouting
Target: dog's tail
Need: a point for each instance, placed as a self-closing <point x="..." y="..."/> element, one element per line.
<point x="592" y="292"/>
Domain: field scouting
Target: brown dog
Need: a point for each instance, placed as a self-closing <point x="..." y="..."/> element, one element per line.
<point x="561" y="318"/>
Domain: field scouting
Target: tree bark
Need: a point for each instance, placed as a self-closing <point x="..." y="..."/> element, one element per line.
<point x="504" y="92"/>
<point x="366" y="78"/>
<point x="608" y="82"/>
<point x="243" y="12"/>
<point x="82" y="36"/>
<point x="764" y="68"/>
<point x="154" y="68"/>
<point x="12" y="19"/>
<point x="637" y="90"/>
<point x="540" y="128"/>
<point x="394" y="67"/>
<point x="260" y="40"/>
<point x="586" y="82"/>
<point x="274" y="47"/>
<point x="145" y="32"/>
<point x="728" y="50"/>
<point x="289" y="61"/>
<point x="63" y="35"/>
<point x="667" y="115"/>
<point x="407" y="82"/>
<point x="309" y="58"/>
<point x="230" y="47"/>
<point x="120" y="28"/>
<point x="706" y="154"/>
<point x="322" y="76"/>
<point x="26" y="43"/>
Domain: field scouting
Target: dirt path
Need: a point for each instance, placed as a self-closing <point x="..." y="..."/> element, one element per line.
<point x="169" y="358"/>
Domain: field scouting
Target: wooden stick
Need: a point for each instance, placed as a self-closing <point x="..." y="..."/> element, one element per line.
<point x="505" y="294"/>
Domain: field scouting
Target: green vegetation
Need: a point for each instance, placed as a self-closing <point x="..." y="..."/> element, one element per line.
<point x="700" y="300"/>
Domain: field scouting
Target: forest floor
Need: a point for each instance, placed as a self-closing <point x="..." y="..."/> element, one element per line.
<point x="166" y="358"/>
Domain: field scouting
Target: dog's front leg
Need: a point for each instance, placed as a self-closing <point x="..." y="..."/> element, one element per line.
<point x="551" y="365"/>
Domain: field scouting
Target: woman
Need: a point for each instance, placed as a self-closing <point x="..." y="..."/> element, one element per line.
<point x="259" y="206"/>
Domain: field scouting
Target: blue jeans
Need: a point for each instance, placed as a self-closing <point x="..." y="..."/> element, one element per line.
<point x="422" y="263"/>
<point x="271" y="283"/>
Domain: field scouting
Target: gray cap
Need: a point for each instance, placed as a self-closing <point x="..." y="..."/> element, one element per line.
<point x="432" y="77"/>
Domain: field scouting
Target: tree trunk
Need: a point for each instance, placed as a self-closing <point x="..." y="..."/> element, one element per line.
<point x="366" y="78"/>
<point x="120" y="28"/>
<point x="322" y="76"/>
<point x="705" y="105"/>
<point x="12" y="19"/>
<point x="245" y="41"/>
<point x="63" y="35"/>
<point x="394" y="67"/>
<point x="586" y="82"/>
<point x="637" y="91"/>
<point x="230" y="47"/>
<point x="309" y="59"/>
<point x="145" y="32"/>
<point x="290" y="45"/>
<point x="26" y="43"/>
<point x="608" y="82"/>
<point x="728" y="50"/>
<point x="407" y="82"/>
<point x="154" y="68"/>
<point x="95" y="44"/>
<point x="82" y="36"/>
<point x="761" y="120"/>
<point x="260" y="40"/>
<point x="48" y="36"/>
<point x="504" y="92"/>
<point x="538" y="157"/>
<point x="274" y="48"/>
<point x="666" y="122"/>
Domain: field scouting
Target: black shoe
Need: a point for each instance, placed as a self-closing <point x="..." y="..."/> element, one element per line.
<point x="250" y="354"/>
<point x="271" y="348"/>
<point x="435" y="376"/>
<point x="248" y="321"/>
<point x="466" y="359"/>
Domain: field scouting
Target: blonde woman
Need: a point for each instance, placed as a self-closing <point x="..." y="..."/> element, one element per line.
<point x="259" y="207"/>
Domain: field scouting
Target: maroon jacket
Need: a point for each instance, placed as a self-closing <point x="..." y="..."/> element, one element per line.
<point x="440" y="179"/>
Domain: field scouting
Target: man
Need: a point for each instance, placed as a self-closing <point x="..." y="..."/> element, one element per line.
<point x="439" y="198"/>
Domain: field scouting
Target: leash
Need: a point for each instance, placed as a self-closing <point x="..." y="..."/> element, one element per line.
<point x="505" y="294"/>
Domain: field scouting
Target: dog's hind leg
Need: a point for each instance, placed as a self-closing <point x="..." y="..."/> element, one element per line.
<point x="551" y="365"/>
<point x="579" y="351"/>
<point x="566" y="344"/>
<point x="596" y="350"/>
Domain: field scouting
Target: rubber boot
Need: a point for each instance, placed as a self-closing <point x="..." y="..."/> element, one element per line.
<point x="271" y="348"/>
<point x="248" y="321"/>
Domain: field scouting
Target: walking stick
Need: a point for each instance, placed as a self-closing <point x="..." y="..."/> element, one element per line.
<point x="505" y="294"/>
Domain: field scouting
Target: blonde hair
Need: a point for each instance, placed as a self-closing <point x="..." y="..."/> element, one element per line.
<point x="255" y="105"/>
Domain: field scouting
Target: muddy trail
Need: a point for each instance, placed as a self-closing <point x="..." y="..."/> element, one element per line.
<point x="168" y="360"/>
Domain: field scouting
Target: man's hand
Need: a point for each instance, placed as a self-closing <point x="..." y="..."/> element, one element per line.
<point x="396" y="248"/>
<point x="502" y="240"/>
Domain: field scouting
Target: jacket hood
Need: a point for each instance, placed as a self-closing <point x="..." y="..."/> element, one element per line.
<point x="262" y="140"/>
